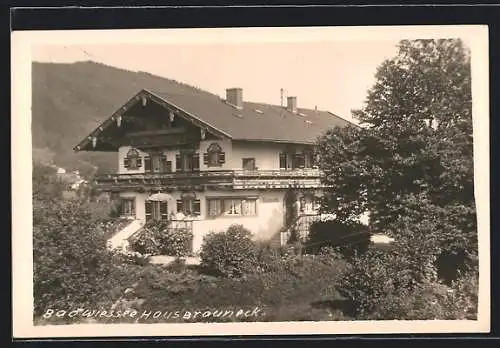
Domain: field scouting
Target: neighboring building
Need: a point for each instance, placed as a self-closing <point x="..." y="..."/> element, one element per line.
<point x="71" y="180"/>
<point x="186" y="154"/>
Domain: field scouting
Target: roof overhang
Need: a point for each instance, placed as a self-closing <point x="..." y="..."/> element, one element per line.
<point x="278" y="141"/>
<point x="90" y="141"/>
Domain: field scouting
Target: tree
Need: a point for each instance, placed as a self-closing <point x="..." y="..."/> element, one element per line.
<point x="45" y="182"/>
<point x="71" y="266"/>
<point x="412" y="155"/>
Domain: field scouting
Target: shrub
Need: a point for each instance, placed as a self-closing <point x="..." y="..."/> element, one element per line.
<point x="230" y="254"/>
<point x="103" y="209"/>
<point x="377" y="283"/>
<point x="304" y="280"/>
<point x="176" y="242"/>
<point x="177" y="266"/>
<point x="122" y="255"/>
<point x="349" y="237"/>
<point x="111" y="226"/>
<point x="431" y="300"/>
<point x="159" y="238"/>
<point x="72" y="267"/>
<point x="268" y="259"/>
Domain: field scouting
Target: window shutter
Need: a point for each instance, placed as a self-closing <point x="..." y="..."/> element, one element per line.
<point x="149" y="207"/>
<point x="164" y="161"/>
<point x="310" y="159"/>
<point x="125" y="162"/>
<point x="282" y="161"/>
<point x="222" y="157"/>
<point x="133" y="207"/>
<point x="147" y="163"/>
<point x="180" y="206"/>
<point x="149" y="210"/>
<point x="164" y="210"/>
<point x="302" y="161"/>
<point x="178" y="163"/>
<point x="196" y="207"/>
<point x="196" y="161"/>
<point x="121" y="206"/>
<point x="205" y="158"/>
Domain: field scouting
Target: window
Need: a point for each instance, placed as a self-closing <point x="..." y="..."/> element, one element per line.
<point x="214" y="157"/>
<point x="133" y="160"/>
<point x="189" y="206"/>
<point x="308" y="204"/>
<point x="157" y="163"/>
<point x="302" y="204"/>
<point x="310" y="159"/>
<point x="248" y="207"/>
<point x="248" y="163"/>
<point x="293" y="160"/>
<point x="128" y="206"/>
<point x="298" y="161"/>
<point x="231" y="207"/>
<point x="316" y="203"/>
<point x="214" y="207"/>
<point x="156" y="210"/>
<point x="187" y="162"/>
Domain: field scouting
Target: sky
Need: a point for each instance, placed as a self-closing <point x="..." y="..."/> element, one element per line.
<point x="332" y="75"/>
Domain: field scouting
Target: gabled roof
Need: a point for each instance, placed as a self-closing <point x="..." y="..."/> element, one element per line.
<point x="254" y="122"/>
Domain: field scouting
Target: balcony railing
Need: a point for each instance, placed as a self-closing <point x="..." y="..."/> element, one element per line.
<point x="221" y="178"/>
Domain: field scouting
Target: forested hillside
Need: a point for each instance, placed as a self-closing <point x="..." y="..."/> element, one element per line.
<point x="70" y="100"/>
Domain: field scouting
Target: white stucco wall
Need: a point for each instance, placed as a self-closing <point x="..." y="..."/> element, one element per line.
<point x="270" y="203"/>
<point x="267" y="221"/>
<point x="140" y="200"/>
<point x="122" y="153"/>
<point x="264" y="225"/>
<point x="266" y="155"/>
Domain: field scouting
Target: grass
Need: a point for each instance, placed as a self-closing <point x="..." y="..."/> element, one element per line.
<point x="303" y="290"/>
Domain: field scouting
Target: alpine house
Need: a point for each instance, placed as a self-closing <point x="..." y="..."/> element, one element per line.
<point x="188" y="155"/>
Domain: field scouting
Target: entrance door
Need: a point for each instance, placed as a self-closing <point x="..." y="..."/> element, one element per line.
<point x="156" y="211"/>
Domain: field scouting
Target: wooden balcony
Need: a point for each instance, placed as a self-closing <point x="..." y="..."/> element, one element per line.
<point x="215" y="180"/>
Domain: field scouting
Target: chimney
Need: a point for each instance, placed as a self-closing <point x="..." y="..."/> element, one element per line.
<point x="234" y="96"/>
<point x="291" y="104"/>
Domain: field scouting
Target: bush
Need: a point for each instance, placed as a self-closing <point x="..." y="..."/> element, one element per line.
<point x="269" y="259"/>
<point x="229" y="254"/>
<point x="349" y="237"/>
<point x="158" y="238"/>
<point x="122" y="255"/>
<point x="377" y="282"/>
<point x="72" y="267"/>
<point x="299" y="282"/>
<point x="398" y="284"/>
<point x="103" y="209"/>
<point x="177" y="266"/>
<point x="430" y="300"/>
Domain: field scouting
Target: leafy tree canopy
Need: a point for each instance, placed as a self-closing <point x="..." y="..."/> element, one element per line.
<point x="412" y="155"/>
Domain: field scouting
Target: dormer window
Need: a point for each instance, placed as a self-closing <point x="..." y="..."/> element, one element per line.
<point x="133" y="160"/>
<point x="214" y="157"/>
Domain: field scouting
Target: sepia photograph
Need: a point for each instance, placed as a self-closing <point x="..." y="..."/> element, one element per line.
<point x="190" y="182"/>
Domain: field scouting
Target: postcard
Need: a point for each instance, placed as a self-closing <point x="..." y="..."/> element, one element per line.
<point x="250" y="181"/>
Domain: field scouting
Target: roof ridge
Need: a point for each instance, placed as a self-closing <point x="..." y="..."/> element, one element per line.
<point x="298" y="108"/>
